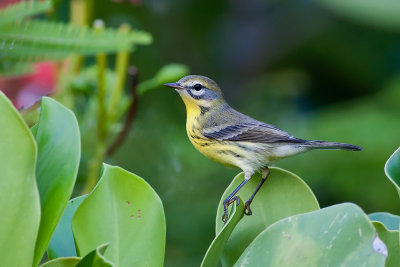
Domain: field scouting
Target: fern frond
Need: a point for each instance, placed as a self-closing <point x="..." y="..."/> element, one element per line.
<point x="13" y="69"/>
<point x="21" y="10"/>
<point x="44" y="40"/>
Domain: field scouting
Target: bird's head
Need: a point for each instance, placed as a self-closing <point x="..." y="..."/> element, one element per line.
<point x="197" y="90"/>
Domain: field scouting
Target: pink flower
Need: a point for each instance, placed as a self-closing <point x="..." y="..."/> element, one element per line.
<point x="26" y="90"/>
<point x="4" y="3"/>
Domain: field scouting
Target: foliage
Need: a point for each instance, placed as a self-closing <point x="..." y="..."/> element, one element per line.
<point x="137" y="214"/>
<point x="133" y="207"/>
<point x="171" y="72"/>
<point x="121" y="222"/>
<point x="390" y="221"/>
<point x="40" y="40"/>
<point x="92" y="91"/>
<point x="19" y="197"/>
<point x="271" y="206"/>
<point x="96" y="258"/>
<point x="58" y="141"/>
<point x="391" y="239"/>
<point x="214" y="251"/>
<point x="62" y="262"/>
<point x="113" y="109"/>
<point x="329" y="79"/>
<point x="21" y="10"/>
<point x="320" y="237"/>
<point x="383" y="13"/>
<point x="340" y="235"/>
<point x="392" y="169"/>
<point x="62" y="243"/>
<point x="46" y="40"/>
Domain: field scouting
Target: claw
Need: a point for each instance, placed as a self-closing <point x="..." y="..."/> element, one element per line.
<point x="225" y="216"/>
<point x="247" y="209"/>
<point x="236" y="198"/>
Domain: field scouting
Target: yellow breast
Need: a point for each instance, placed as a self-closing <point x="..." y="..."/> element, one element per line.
<point x="224" y="152"/>
<point x="213" y="149"/>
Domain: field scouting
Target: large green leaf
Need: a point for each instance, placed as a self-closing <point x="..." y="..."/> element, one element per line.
<point x="382" y="13"/>
<point x="96" y="258"/>
<point x="62" y="262"/>
<point x="62" y="242"/>
<point x="126" y="212"/>
<point x="59" y="148"/>
<point x="390" y="221"/>
<point x="213" y="254"/>
<point x="19" y="197"/>
<point x="391" y="239"/>
<point x="340" y="235"/>
<point x="283" y="194"/>
<point x="392" y="169"/>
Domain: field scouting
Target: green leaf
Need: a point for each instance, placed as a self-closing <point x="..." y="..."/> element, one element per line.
<point x="96" y="258"/>
<point x="62" y="262"/>
<point x="59" y="147"/>
<point x="391" y="239"/>
<point x="390" y="221"/>
<point x="16" y="12"/>
<point x="282" y="195"/>
<point x="62" y="242"/>
<point x="37" y="40"/>
<point x="19" y="197"/>
<point x="169" y="73"/>
<point x="126" y="212"/>
<point x="214" y="251"/>
<point x="392" y="169"/>
<point x="340" y="235"/>
<point x="8" y="68"/>
<point x="383" y="13"/>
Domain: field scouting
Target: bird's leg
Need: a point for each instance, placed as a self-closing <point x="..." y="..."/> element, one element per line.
<point x="264" y="173"/>
<point x="232" y="198"/>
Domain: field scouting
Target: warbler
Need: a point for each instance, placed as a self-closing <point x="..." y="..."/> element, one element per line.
<point x="234" y="139"/>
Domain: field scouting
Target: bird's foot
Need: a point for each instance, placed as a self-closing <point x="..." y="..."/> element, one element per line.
<point x="247" y="209"/>
<point x="228" y="202"/>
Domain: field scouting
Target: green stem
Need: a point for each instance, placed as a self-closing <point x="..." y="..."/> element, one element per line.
<point x="80" y="14"/>
<point x="101" y="93"/>
<point x="102" y="120"/>
<point x="94" y="167"/>
<point x="121" y="71"/>
<point x="96" y="161"/>
<point x="77" y="17"/>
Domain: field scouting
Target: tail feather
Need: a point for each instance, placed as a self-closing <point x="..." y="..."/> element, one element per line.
<point x="331" y="145"/>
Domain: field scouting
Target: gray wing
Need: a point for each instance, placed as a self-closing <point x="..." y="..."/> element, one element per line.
<point x="235" y="126"/>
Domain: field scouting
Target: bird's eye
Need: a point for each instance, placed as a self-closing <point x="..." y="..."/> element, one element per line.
<point x="197" y="87"/>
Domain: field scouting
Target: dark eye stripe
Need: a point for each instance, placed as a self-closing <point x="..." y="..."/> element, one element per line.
<point x="203" y="94"/>
<point x="197" y="97"/>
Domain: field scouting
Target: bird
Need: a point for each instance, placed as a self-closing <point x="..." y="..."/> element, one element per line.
<point x="231" y="138"/>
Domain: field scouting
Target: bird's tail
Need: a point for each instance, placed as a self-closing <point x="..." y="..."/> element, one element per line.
<point x="331" y="145"/>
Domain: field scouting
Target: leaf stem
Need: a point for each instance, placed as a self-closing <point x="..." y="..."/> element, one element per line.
<point x="102" y="119"/>
<point x="131" y="113"/>
<point x="120" y="69"/>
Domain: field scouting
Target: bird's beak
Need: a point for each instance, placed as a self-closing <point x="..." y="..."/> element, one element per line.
<point x="174" y="85"/>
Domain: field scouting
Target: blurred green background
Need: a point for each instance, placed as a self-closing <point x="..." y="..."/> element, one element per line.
<point x="326" y="70"/>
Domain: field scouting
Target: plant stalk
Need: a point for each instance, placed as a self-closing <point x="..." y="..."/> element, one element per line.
<point x="102" y="120"/>
<point x="121" y="71"/>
